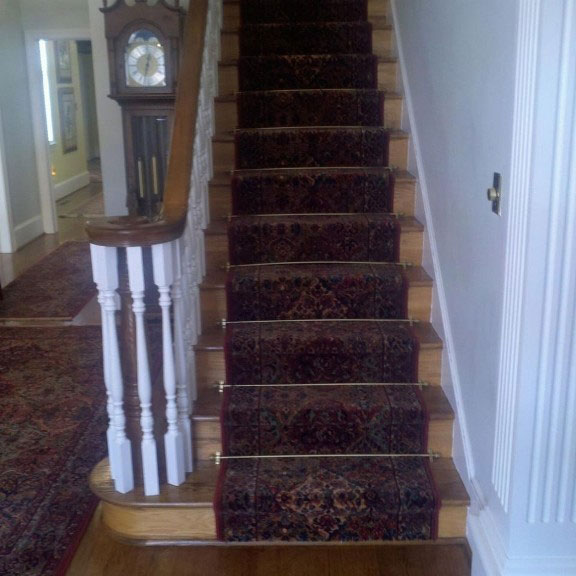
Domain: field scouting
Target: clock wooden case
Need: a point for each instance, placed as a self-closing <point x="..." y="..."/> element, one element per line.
<point x="144" y="42"/>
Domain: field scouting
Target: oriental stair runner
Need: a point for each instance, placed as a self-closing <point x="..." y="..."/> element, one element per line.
<point x="324" y="426"/>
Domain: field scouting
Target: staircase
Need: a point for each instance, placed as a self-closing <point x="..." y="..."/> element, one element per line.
<point x="185" y="513"/>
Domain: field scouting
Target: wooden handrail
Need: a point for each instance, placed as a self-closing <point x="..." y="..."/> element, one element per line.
<point x="124" y="231"/>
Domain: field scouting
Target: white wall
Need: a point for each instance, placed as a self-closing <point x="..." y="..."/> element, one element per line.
<point x="490" y="86"/>
<point x="109" y="119"/>
<point x="54" y="14"/>
<point x="459" y="58"/>
<point x="18" y="136"/>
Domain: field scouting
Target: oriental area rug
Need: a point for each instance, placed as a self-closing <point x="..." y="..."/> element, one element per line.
<point x="323" y="424"/>
<point x="58" y="286"/>
<point x="52" y="433"/>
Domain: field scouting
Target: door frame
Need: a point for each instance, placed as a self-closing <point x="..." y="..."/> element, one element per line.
<point x="7" y="241"/>
<point x="41" y="144"/>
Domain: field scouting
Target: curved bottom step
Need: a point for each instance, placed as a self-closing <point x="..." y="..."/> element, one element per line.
<point x="184" y="514"/>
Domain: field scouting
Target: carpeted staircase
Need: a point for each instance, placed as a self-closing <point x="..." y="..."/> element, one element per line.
<point x="313" y="258"/>
<point x="324" y="428"/>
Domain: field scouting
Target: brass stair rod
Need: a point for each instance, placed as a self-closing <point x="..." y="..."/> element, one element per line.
<point x="292" y="263"/>
<point x="410" y="321"/>
<point x="281" y="215"/>
<point x="221" y="386"/>
<point x="218" y="456"/>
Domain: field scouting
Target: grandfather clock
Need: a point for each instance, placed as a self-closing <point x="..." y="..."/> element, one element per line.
<point x="144" y="51"/>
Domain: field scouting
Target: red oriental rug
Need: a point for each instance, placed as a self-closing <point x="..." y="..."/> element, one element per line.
<point x="324" y="434"/>
<point x="52" y="433"/>
<point x="58" y="286"/>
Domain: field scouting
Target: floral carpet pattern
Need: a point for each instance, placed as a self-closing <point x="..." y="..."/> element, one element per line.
<point x="58" y="286"/>
<point x="52" y="433"/>
<point x="314" y="238"/>
<point x="321" y="362"/>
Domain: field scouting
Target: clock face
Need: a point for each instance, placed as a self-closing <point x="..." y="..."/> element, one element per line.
<point x="145" y="61"/>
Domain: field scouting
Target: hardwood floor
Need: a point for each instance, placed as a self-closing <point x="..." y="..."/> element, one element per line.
<point x="100" y="555"/>
<point x="12" y="265"/>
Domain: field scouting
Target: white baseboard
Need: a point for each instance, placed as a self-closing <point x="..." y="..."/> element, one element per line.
<point x="490" y="558"/>
<point x="28" y="231"/>
<point x="62" y="189"/>
<point x="440" y="321"/>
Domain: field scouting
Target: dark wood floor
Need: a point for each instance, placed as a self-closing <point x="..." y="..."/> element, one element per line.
<point x="100" y="555"/>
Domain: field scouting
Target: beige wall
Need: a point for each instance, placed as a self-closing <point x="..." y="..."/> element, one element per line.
<point x="67" y="166"/>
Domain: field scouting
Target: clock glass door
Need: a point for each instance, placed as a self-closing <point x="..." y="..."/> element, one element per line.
<point x="150" y="141"/>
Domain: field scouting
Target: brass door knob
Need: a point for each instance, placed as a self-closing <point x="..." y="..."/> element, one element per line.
<point x="493" y="194"/>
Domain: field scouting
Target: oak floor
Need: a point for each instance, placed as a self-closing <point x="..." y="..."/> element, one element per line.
<point x="12" y="265"/>
<point x="100" y="555"/>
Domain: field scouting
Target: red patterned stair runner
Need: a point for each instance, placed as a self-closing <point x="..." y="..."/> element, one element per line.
<point x="320" y="418"/>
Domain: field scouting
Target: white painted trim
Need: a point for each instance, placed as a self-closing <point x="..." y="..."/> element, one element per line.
<point x="486" y="543"/>
<point x="552" y="485"/>
<point x="454" y="376"/>
<point x="63" y="189"/>
<point x="516" y="247"/>
<point x="7" y="242"/>
<point x="28" y="231"/>
<point x="32" y="37"/>
<point x="488" y="548"/>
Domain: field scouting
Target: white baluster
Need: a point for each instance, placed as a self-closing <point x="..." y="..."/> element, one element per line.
<point x="105" y="271"/>
<point x="148" y="444"/>
<point x="173" y="441"/>
<point x="182" y="378"/>
<point x="110" y="432"/>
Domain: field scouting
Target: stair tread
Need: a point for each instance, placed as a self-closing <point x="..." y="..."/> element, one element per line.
<point x="228" y="136"/>
<point x="213" y="337"/>
<point x="223" y="177"/>
<point x="198" y="490"/>
<point x="389" y="94"/>
<point x="216" y="279"/>
<point x="207" y="407"/>
<point x="387" y="57"/>
<point x="407" y="223"/>
<point x="378" y="23"/>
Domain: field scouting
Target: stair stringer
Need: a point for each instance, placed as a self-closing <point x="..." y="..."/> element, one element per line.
<point x="440" y="318"/>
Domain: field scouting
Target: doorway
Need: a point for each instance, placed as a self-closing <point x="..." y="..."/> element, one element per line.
<point x="65" y="127"/>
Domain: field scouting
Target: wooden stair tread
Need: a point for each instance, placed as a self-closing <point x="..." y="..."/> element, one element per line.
<point x="378" y="23"/>
<point x="224" y="177"/>
<point x="407" y="223"/>
<point x="228" y="136"/>
<point x="389" y="94"/>
<point x="387" y="57"/>
<point x="216" y="279"/>
<point x="198" y="490"/>
<point x="207" y="407"/>
<point x="213" y="337"/>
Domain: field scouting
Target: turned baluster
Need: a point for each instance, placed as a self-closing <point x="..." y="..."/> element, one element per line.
<point x="182" y="374"/>
<point x="148" y="442"/>
<point x="105" y="271"/>
<point x="162" y="256"/>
